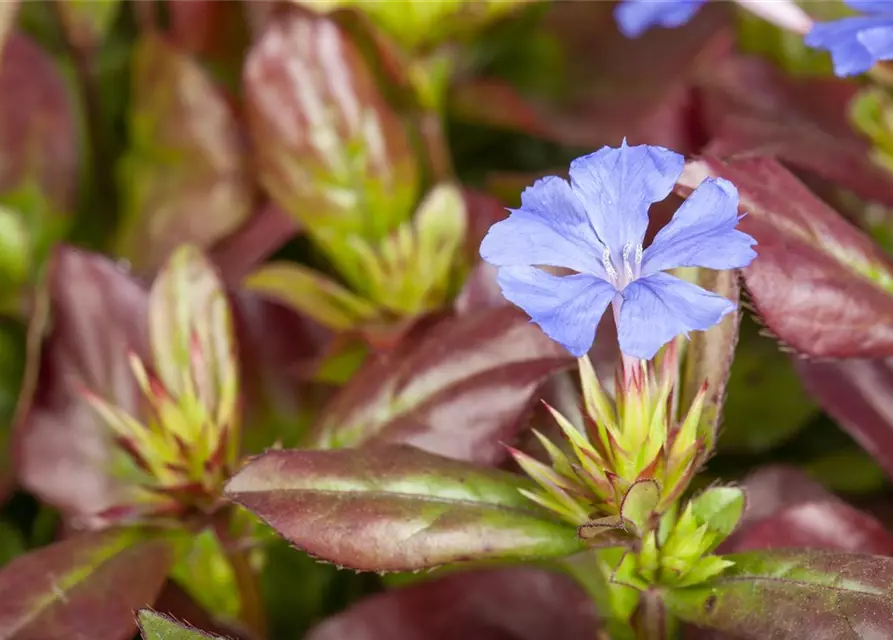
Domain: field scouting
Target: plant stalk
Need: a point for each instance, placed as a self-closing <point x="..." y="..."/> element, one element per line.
<point x="251" y="605"/>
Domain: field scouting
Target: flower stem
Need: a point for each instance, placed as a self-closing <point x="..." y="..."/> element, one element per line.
<point x="652" y="621"/>
<point x="250" y="601"/>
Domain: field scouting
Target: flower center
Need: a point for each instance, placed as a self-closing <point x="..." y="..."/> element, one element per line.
<point x="629" y="267"/>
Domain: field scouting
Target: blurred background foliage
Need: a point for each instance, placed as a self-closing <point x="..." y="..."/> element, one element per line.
<point x="338" y="162"/>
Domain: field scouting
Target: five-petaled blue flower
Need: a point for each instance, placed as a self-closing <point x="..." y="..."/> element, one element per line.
<point x="635" y="17"/>
<point x="595" y="225"/>
<point x="859" y="42"/>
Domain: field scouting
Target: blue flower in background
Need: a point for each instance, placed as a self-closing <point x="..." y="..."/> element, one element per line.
<point x="857" y="43"/>
<point x="635" y="17"/>
<point x="595" y="225"/>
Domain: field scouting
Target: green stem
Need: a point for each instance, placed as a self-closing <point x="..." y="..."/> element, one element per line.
<point x="652" y="621"/>
<point x="593" y="573"/>
<point x="250" y="599"/>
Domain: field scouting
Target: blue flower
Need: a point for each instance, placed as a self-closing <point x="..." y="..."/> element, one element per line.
<point x="857" y="43"/>
<point x="595" y="225"/>
<point x="635" y="17"/>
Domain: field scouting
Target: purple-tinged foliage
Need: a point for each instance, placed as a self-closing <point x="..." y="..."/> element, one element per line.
<point x="304" y="143"/>
<point x="83" y="586"/>
<point x="518" y="603"/>
<point x="596" y="226"/>
<point x="857" y="43"/>
<point x="819" y="284"/>
<point x="427" y="391"/>
<point x="859" y="395"/>
<point x="397" y="508"/>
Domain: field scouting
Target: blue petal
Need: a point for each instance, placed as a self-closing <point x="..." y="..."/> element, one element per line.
<point x="635" y="17"/>
<point x="841" y="38"/>
<point x="702" y="233"/>
<point x="657" y="308"/>
<point x="878" y="41"/>
<point x="871" y="6"/>
<point x="617" y="185"/>
<point x="550" y="228"/>
<point x="567" y="309"/>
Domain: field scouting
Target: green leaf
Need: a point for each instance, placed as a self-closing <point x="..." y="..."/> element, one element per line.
<point x="413" y="269"/>
<point x="189" y="320"/>
<point x="640" y="503"/>
<point x="83" y="587"/>
<point x="330" y="151"/>
<point x="185" y="178"/>
<point x="396" y="508"/>
<point x="205" y="573"/>
<point x="312" y="294"/>
<point x="791" y="594"/>
<point x="751" y="422"/>
<point x="87" y="21"/>
<point x="15" y="252"/>
<point x="720" y="508"/>
<point x="422" y="23"/>
<point x="155" y="626"/>
<point x="708" y="354"/>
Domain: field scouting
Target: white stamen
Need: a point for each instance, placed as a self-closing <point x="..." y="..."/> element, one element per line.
<point x="609" y="267"/>
<point x="639" y="254"/>
<point x="629" y="270"/>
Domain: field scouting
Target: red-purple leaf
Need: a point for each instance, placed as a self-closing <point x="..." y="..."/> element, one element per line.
<point x="263" y="234"/>
<point x="459" y="389"/>
<point x="825" y="524"/>
<point x="791" y="595"/>
<point x="753" y="108"/>
<point x="84" y="587"/>
<point x="859" y="395"/>
<point x="494" y="604"/>
<point x="97" y="313"/>
<point x="772" y="488"/>
<point x="329" y="149"/>
<point x="186" y="177"/>
<point x="787" y="508"/>
<point x="38" y="143"/>
<point x="818" y="283"/>
<point x="397" y="508"/>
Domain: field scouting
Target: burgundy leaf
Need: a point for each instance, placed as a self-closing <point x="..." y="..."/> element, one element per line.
<point x="397" y="508"/>
<point x="329" y="149"/>
<point x="791" y="595"/>
<point x="754" y="109"/>
<point x="38" y="149"/>
<point x="97" y="313"/>
<point x="257" y="239"/>
<point x="460" y="389"/>
<point x="859" y="395"/>
<point x="822" y="524"/>
<point x="84" y="587"/>
<point x="490" y="604"/>
<point x="186" y="176"/>
<point x="786" y="508"/>
<point x="818" y="283"/>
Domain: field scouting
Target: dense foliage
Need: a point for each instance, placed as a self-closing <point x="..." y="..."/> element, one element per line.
<point x="258" y="382"/>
